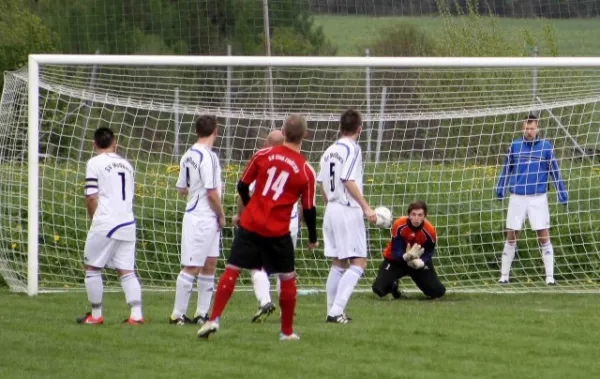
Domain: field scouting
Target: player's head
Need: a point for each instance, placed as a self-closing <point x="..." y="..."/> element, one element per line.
<point x="350" y="123"/>
<point x="417" y="211"/>
<point x="104" y="139"/>
<point x="294" y="129"/>
<point x="530" y="127"/>
<point x="206" y="126"/>
<point x="275" y="138"/>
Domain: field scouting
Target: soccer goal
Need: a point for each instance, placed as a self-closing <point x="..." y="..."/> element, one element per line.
<point x="435" y="129"/>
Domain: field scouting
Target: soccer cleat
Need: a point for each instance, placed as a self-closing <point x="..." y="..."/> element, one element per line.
<point x="200" y="320"/>
<point x="207" y="329"/>
<point x="180" y="321"/>
<point x="131" y="321"/>
<point x="341" y="319"/>
<point x="503" y="280"/>
<point x="289" y="337"/>
<point x="550" y="281"/>
<point x="89" y="320"/>
<point x="396" y="294"/>
<point x="263" y="313"/>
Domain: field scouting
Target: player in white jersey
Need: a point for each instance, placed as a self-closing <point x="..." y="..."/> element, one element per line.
<point x="260" y="278"/>
<point x="109" y="191"/>
<point x="199" y="180"/>
<point x="344" y="233"/>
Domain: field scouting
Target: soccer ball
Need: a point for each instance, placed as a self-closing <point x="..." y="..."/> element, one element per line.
<point x="384" y="217"/>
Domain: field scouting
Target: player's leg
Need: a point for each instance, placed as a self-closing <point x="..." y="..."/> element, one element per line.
<point x="338" y="267"/>
<point x="387" y="278"/>
<point x="517" y="213"/>
<point x="124" y="262"/>
<point x="351" y="242"/>
<point x="428" y="282"/>
<point x="206" y="278"/>
<point x="539" y="218"/>
<point x="98" y="250"/>
<point x="262" y="291"/>
<point x="191" y="261"/>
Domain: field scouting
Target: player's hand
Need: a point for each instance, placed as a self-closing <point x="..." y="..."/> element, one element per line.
<point x="222" y="221"/>
<point x="370" y="215"/>
<point x="416" y="263"/>
<point x="235" y="221"/>
<point x="313" y="245"/>
<point x="417" y="250"/>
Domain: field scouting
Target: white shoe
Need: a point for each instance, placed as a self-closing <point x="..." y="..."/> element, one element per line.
<point x="503" y="280"/>
<point x="550" y="281"/>
<point x="290" y="337"/>
<point x="207" y="329"/>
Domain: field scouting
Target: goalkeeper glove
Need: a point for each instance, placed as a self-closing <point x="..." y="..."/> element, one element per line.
<point x="413" y="252"/>
<point x="416" y="263"/>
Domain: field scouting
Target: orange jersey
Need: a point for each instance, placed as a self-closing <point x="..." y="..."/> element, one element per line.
<point x="403" y="233"/>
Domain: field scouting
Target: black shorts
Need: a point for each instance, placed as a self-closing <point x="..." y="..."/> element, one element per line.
<point x="254" y="252"/>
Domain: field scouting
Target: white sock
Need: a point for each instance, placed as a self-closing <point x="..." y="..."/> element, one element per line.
<point x="183" y="290"/>
<point x="278" y="285"/>
<point x="345" y="289"/>
<point x="133" y="294"/>
<point x="335" y="274"/>
<point x="508" y="254"/>
<point x="206" y="288"/>
<point x="95" y="290"/>
<point x="548" y="258"/>
<point x="262" y="287"/>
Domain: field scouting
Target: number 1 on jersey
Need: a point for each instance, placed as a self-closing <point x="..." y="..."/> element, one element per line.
<point x="122" y="175"/>
<point x="276" y="186"/>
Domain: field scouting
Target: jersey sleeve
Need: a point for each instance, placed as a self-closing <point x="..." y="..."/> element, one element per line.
<point x="308" y="194"/>
<point x="208" y="171"/>
<point x="91" y="180"/>
<point x="182" y="180"/>
<point x="251" y="170"/>
<point x="350" y="167"/>
<point x="322" y="173"/>
<point x="429" y="246"/>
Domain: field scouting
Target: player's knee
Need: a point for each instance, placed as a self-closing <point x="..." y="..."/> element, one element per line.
<point x="437" y="292"/>
<point x="378" y="290"/>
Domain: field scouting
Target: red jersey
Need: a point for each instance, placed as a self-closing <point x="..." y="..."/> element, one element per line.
<point x="282" y="176"/>
<point x="404" y="233"/>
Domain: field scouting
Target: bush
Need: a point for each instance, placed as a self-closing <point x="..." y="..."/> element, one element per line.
<point x="402" y="40"/>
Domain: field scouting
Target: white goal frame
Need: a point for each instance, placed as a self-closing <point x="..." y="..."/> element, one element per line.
<point x="229" y="61"/>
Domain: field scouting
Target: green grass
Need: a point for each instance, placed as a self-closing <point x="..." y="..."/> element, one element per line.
<point x="461" y="336"/>
<point x="351" y="34"/>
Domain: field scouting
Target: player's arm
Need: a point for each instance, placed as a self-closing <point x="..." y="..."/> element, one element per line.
<point x="320" y="178"/>
<point x="505" y="174"/>
<point x="323" y="193"/>
<point x="243" y="186"/>
<point x="182" y="180"/>
<point x="349" y="176"/>
<point x="309" y="209"/>
<point x="91" y="190"/>
<point x="561" y="191"/>
<point x="208" y="174"/>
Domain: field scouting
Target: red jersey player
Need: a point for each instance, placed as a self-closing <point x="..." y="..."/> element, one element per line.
<point x="263" y="240"/>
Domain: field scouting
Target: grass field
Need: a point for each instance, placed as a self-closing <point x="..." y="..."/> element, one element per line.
<point x="461" y="336"/>
<point x="351" y="34"/>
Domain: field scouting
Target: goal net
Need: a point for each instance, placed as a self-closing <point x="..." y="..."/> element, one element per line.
<point x="433" y="131"/>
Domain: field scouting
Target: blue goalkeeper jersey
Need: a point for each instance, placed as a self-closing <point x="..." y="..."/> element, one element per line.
<point x="526" y="169"/>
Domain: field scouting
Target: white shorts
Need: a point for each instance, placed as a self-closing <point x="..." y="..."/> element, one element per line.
<point x="199" y="239"/>
<point x="344" y="232"/>
<point x="294" y="231"/>
<point x="534" y="208"/>
<point x="101" y="251"/>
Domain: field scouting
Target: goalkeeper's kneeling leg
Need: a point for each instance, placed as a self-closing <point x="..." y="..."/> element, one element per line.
<point x="380" y="292"/>
<point x="435" y="292"/>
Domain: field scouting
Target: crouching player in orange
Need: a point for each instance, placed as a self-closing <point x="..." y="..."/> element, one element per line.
<point x="410" y="252"/>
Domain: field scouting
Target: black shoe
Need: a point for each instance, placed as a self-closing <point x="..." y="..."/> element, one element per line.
<point x="396" y="294"/>
<point x="341" y="319"/>
<point x="180" y="321"/>
<point x="200" y="320"/>
<point x="263" y="313"/>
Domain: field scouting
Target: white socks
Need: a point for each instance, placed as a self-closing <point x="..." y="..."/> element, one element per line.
<point x="261" y="286"/>
<point x="206" y="288"/>
<point x="133" y="294"/>
<point x="345" y="289"/>
<point x="508" y="254"/>
<point x="95" y="290"/>
<point x="333" y="280"/>
<point x="548" y="258"/>
<point x="183" y="290"/>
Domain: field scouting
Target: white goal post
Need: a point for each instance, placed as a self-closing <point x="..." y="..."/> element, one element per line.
<point x="447" y="121"/>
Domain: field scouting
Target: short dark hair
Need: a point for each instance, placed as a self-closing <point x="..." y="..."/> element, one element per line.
<point x="417" y="205"/>
<point x="205" y="125"/>
<point x="350" y="121"/>
<point x="531" y="118"/>
<point x="294" y="128"/>
<point x="103" y="137"/>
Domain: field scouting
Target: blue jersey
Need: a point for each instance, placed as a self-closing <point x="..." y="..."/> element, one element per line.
<point x="526" y="169"/>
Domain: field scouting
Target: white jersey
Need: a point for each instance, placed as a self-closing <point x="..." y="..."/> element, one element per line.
<point x="341" y="162"/>
<point x="199" y="171"/>
<point x="111" y="178"/>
